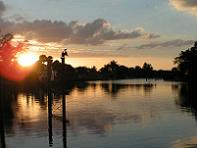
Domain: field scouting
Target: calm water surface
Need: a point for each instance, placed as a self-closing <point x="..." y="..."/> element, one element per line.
<point x="102" y="114"/>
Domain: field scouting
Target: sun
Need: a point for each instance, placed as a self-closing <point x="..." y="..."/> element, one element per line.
<point x="26" y="59"/>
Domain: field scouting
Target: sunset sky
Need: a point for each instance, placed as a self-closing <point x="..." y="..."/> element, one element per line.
<point x="98" y="31"/>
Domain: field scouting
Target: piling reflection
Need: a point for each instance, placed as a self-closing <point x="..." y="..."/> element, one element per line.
<point x="64" y="120"/>
<point x="2" y="130"/>
<point x="7" y="100"/>
<point x="50" y="123"/>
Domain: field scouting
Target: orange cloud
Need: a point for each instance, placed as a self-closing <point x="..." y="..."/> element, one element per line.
<point x="189" y="6"/>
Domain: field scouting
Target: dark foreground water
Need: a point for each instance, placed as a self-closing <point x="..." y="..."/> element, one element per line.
<point x="103" y="114"/>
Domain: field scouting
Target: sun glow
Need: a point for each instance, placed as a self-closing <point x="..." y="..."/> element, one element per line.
<point x="26" y="59"/>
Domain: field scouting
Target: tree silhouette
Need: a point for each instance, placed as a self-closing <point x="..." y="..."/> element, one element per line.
<point x="187" y="63"/>
<point x="147" y="70"/>
<point x="147" y="67"/>
<point x="109" y="71"/>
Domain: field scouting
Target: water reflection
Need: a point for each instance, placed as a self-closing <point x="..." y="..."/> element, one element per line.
<point x="187" y="98"/>
<point x="93" y="108"/>
<point x="27" y="106"/>
<point x="185" y="143"/>
<point x="93" y="111"/>
<point x="187" y="101"/>
<point x="114" y="89"/>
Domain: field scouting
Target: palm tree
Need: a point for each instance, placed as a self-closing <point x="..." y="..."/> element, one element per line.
<point x="49" y="68"/>
<point x="42" y="59"/>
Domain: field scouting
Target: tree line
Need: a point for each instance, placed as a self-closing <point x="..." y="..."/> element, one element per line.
<point x="111" y="71"/>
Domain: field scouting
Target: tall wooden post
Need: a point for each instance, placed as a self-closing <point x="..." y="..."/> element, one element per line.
<point x="64" y="121"/>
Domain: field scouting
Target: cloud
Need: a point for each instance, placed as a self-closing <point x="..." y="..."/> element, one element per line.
<point x="2" y="8"/>
<point x="96" y="32"/>
<point x="185" y="5"/>
<point x="166" y="44"/>
<point x="100" y="30"/>
<point x="16" y="18"/>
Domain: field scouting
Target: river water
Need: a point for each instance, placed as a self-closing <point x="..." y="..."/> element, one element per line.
<point x="101" y="114"/>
